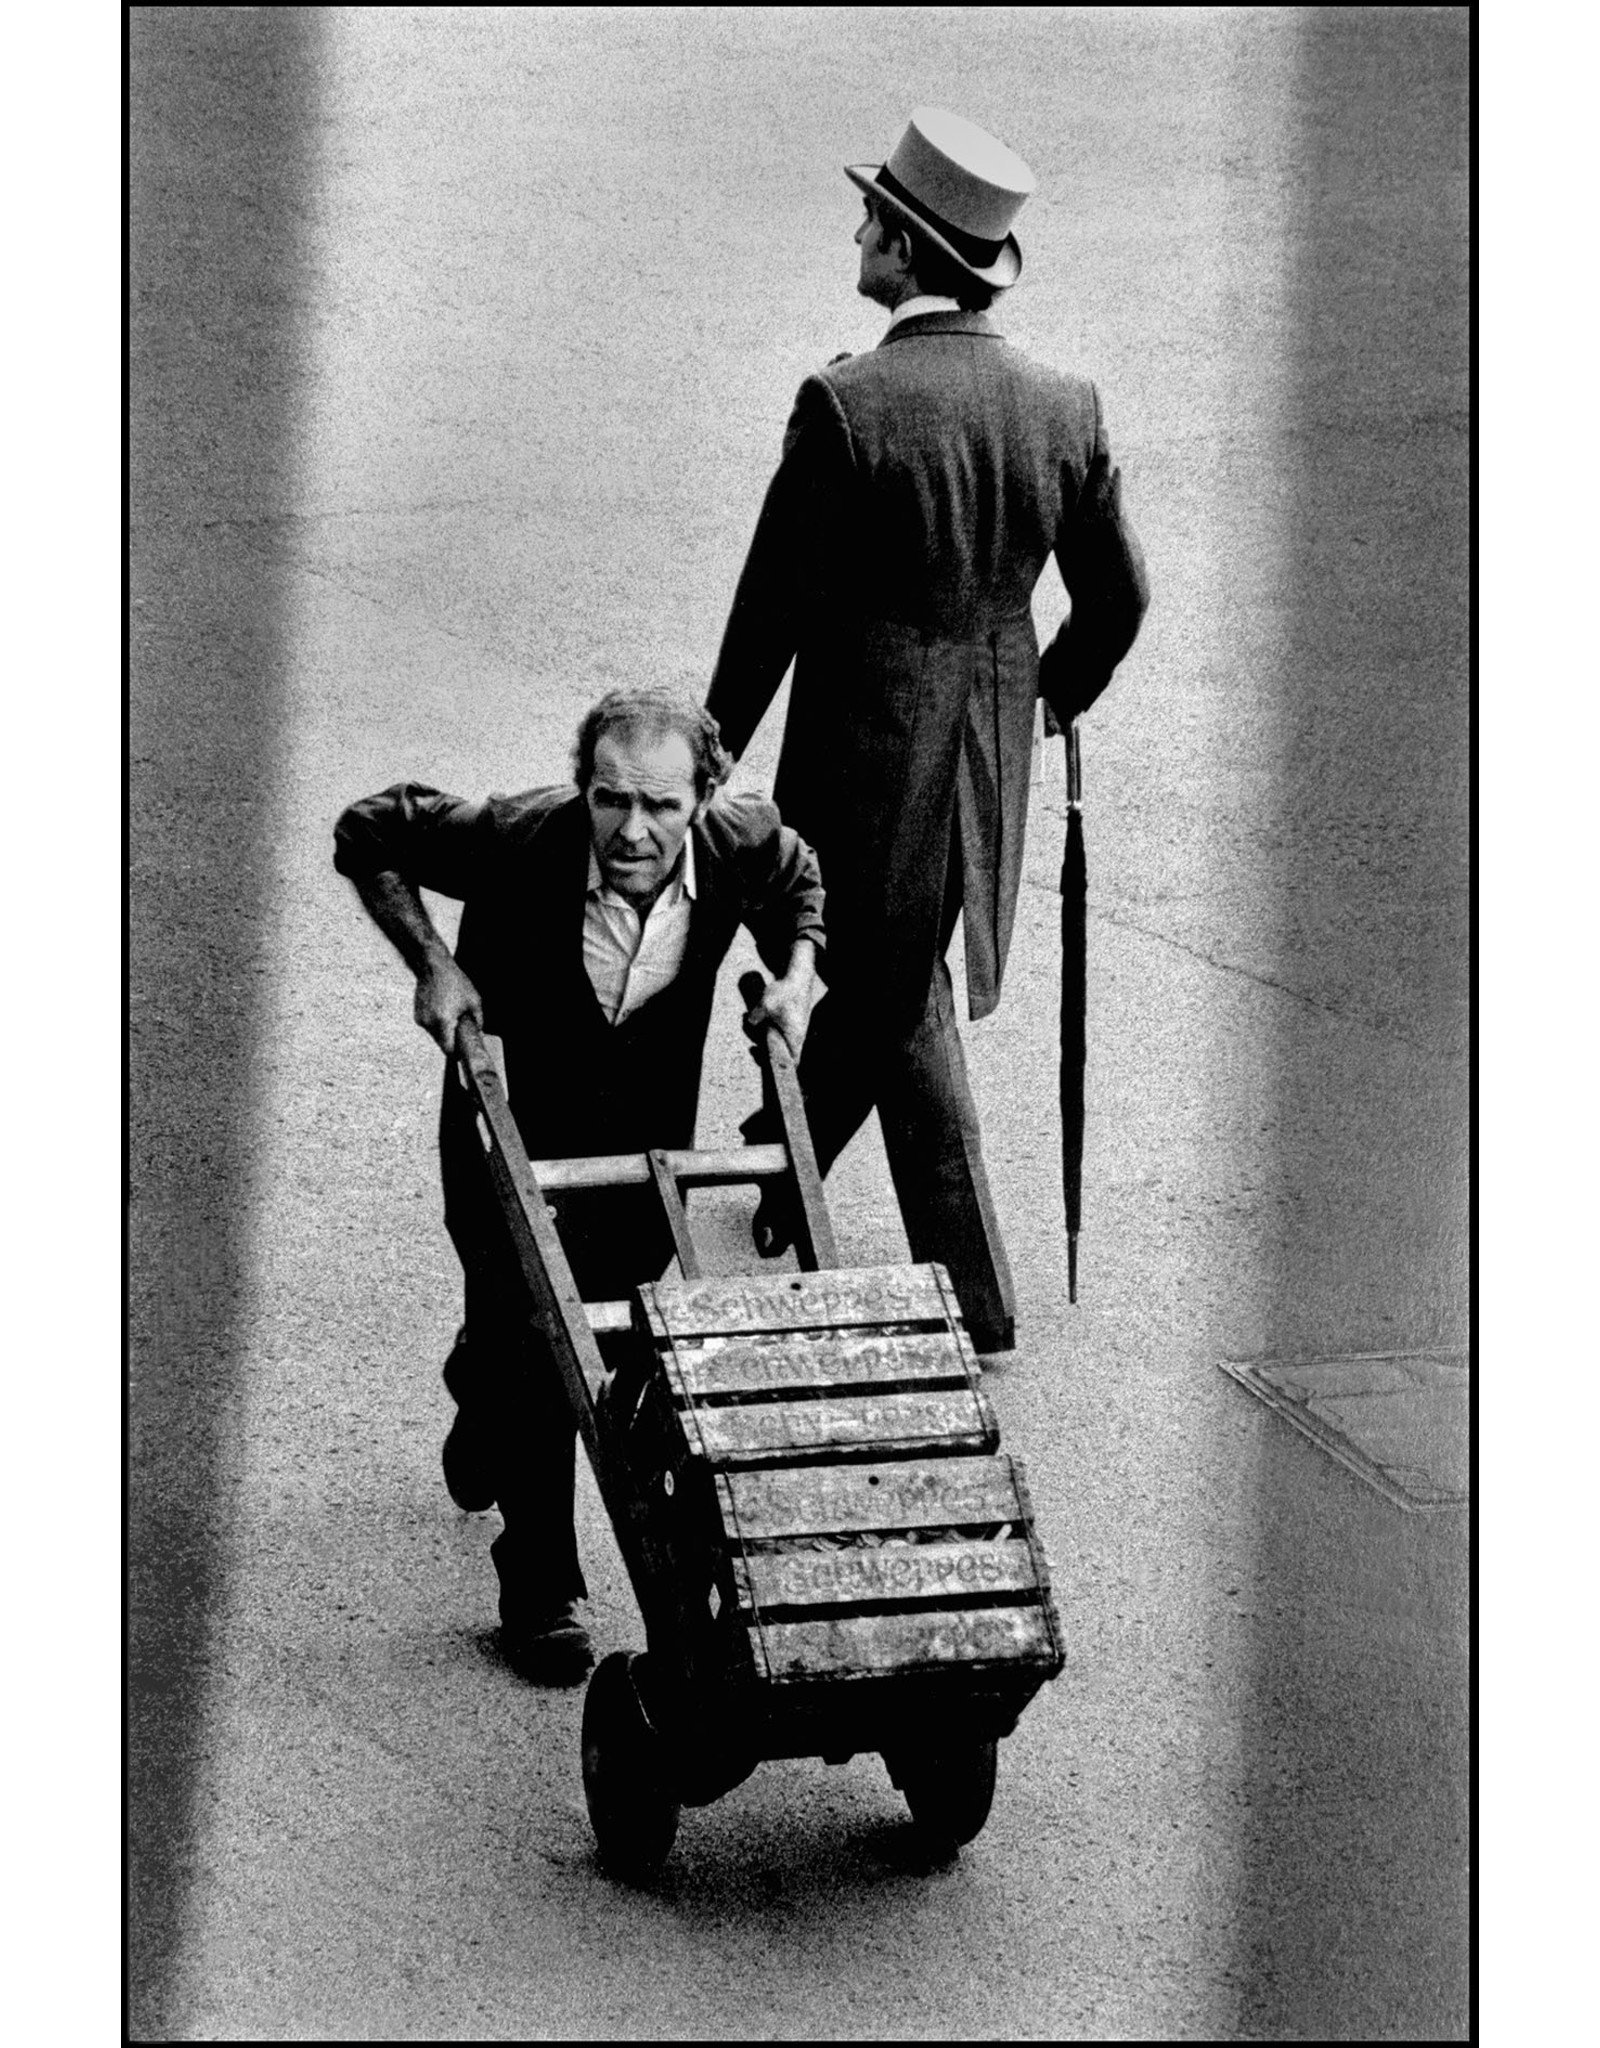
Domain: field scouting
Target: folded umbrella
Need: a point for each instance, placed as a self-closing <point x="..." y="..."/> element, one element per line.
<point x="1074" y="998"/>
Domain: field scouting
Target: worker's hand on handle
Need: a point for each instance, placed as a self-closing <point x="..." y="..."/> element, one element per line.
<point x="785" y="1002"/>
<point x="444" y="997"/>
<point x="786" y="1006"/>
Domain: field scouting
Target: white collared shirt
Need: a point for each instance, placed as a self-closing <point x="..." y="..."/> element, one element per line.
<point x="924" y="302"/>
<point x="628" y="962"/>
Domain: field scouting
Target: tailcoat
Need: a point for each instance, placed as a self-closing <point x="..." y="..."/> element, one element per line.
<point x="922" y="488"/>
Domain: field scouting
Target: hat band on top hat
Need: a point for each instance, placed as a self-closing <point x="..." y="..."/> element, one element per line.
<point x="974" y="248"/>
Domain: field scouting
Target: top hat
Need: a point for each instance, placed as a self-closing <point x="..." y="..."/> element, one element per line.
<point x="954" y="183"/>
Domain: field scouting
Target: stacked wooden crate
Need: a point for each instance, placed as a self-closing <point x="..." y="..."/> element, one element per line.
<point x="871" y="1529"/>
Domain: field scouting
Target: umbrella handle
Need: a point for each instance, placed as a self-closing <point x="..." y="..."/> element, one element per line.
<point x="1074" y="768"/>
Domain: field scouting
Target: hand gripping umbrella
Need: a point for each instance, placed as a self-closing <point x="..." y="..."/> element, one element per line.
<point x="1074" y="998"/>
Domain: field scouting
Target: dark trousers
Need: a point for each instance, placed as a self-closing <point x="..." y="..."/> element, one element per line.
<point x="504" y="1377"/>
<point x="930" y="1129"/>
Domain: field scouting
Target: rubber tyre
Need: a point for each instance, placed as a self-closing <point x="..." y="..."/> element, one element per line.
<point x="626" y="1783"/>
<point x="949" y="1790"/>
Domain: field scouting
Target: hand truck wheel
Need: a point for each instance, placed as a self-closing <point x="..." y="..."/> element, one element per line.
<point x="949" y="1789"/>
<point x="626" y="1781"/>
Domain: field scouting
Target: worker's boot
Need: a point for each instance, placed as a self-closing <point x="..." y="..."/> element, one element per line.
<point x="551" y="1648"/>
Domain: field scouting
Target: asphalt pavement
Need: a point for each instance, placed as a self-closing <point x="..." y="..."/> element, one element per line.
<point x="462" y="344"/>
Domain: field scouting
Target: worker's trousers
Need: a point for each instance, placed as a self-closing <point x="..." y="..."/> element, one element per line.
<point x="502" y="1373"/>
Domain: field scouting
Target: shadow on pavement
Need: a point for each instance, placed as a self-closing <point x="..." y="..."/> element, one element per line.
<point x="221" y="102"/>
<point x="1354" y="1823"/>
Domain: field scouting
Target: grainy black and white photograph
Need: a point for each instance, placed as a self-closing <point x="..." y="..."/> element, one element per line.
<point x="799" y="1010"/>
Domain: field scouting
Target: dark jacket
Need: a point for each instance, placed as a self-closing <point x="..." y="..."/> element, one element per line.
<point x="922" y="489"/>
<point x="520" y="866"/>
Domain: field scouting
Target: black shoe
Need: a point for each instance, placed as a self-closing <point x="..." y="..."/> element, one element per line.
<point x="553" y="1649"/>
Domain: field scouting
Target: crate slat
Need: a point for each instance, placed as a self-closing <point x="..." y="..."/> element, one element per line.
<point x="822" y="1500"/>
<point x="709" y="1367"/>
<point x="872" y="1646"/>
<point x="839" y="1298"/>
<point x="891" y="1571"/>
<point x="882" y="1422"/>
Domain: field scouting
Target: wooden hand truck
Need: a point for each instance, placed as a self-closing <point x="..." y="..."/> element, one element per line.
<point x="829" y="1550"/>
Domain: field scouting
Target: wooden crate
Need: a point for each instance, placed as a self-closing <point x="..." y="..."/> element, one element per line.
<point x="870" y="1530"/>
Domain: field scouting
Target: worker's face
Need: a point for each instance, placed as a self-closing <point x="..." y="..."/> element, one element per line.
<point x="642" y="802"/>
<point x="883" y="269"/>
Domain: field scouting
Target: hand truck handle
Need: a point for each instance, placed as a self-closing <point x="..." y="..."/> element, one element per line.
<point x="781" y="1087"/>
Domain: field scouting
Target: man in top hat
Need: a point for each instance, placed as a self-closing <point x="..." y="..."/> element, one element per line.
<point x="921" y="490"/>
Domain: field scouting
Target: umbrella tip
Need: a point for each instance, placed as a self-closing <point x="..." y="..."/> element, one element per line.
<point x="1072" y="1267"/>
